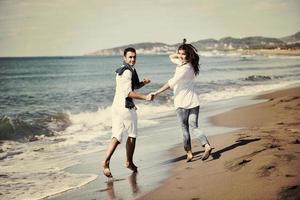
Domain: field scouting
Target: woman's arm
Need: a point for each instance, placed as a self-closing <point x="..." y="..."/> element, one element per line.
<point x="174" y="58"/>
<point x="162" y="89"/>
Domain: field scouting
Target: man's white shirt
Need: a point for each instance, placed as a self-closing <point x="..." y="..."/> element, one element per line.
<point x="123" y="88"/>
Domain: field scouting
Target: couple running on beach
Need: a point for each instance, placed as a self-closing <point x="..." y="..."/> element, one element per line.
<point x="186" y="102"/>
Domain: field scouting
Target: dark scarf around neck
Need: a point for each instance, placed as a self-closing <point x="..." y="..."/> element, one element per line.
<point x="135" y="82"/>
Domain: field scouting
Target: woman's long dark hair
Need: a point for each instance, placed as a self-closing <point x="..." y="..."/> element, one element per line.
<point x="191" y="55"/>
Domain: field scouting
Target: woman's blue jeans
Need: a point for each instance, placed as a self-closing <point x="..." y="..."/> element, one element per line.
<point x="188" y="119"/>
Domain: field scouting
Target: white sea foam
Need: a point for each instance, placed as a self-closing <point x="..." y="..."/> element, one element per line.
<point x="216" y="53"/>
<point x="41" y="164"/>
<point x="90" y="126"/>
<point x="283" y="57"/>
<point x="37" y="172"/>
<point x="232" y="92"/>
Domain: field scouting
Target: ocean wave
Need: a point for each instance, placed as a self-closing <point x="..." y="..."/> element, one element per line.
<point x="247" y="58"/>
<point x="18" y="129"/>
<point x="257" y="78"/>
<point x="254" y="68"/>
<point x="102" y="118"/>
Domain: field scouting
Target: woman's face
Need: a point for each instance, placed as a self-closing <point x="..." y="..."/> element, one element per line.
<point x="182" y="56"/>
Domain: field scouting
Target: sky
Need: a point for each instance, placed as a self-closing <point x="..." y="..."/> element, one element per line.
<point x="77" y="27"/>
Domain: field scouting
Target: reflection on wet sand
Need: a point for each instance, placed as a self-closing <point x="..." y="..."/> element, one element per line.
<point x="132" y="182"/>
<point x="110" y="190"/>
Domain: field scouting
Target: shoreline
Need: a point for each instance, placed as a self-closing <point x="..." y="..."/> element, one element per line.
<point x="153" y="175"/>
<point x="259" y="161"/>
<point x="152" y="156"/>
<point x="271" y="52"/>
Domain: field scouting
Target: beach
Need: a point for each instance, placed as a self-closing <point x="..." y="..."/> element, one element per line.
<point x="55" y="125"/>
<point x="259" y="161"/>
<point x="75" y="76"/>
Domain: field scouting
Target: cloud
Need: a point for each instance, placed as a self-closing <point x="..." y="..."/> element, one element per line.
<point x="74" y="27"/>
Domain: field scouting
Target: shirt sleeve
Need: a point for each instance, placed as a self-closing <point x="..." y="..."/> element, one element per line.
<point x="126" y="82"/>
<point x="179" y="74"/>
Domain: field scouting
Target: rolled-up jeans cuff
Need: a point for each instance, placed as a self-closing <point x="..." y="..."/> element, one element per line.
<point x="203" y="139"/>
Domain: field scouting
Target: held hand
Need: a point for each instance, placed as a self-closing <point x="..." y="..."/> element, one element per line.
<point x="150" y="97"/>
<point x="154" y="94"/>
<point x="146" y="81"/>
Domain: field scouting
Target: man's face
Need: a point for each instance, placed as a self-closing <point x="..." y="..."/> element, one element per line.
<point x="130" y="58"/>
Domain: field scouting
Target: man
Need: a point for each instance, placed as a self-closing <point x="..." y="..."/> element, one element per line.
<point x="124" y="117"/>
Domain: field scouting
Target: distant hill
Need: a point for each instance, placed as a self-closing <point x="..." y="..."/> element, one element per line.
<point x="229" y="43"/>
<point x="143" y="48"/>
<point x="224" y="44"/>
<point x="292" y="38"/>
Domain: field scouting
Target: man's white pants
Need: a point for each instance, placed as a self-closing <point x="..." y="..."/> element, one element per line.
<point x="124" y="121"/>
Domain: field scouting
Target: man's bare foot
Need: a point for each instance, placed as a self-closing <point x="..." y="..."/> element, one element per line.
<point x="131" y="166"/>
<point x="106" y="170"/>
<point x="207" y="152"/>
<point x="189" y="156"/>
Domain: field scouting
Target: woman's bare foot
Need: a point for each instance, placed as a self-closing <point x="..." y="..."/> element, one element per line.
<point x="207" y="152"/>
<point x="131" y="166"/>
<point x="106" y="170"/>
<point x="189" y="156"/>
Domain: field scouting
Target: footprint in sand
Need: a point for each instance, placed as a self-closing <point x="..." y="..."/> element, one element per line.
<point x="286" y="157"/>
<point x="291" y="192"/>
<point x="236" y="164"/>
<point x="290" y="175"/>
<point x="266" y="170"/>
<point x="289" y="99"/>
<point x="243" y="137"/>
<point x="272" y="145"/>
<point x="296" y="141"/>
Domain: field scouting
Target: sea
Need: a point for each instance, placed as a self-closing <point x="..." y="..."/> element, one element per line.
<point x="54" y="109"/>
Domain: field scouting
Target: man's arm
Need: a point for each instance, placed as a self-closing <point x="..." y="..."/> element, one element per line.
<point x="136" y="95"/>
<point x="127" y="88"/>
<point x="143" y="83"/>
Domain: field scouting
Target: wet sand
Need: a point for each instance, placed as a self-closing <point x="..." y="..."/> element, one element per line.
<point x="259" y="161"/>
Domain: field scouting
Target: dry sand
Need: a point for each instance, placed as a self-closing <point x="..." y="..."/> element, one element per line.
<point x="260" y="161"/>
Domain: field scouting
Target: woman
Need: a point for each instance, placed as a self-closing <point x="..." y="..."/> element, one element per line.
<point x="186" y="100"/>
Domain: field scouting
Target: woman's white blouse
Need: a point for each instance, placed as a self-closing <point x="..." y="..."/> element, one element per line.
<point x="183" y="85"/>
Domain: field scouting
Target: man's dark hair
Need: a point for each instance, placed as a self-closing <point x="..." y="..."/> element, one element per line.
<point x="129" y="49"/>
